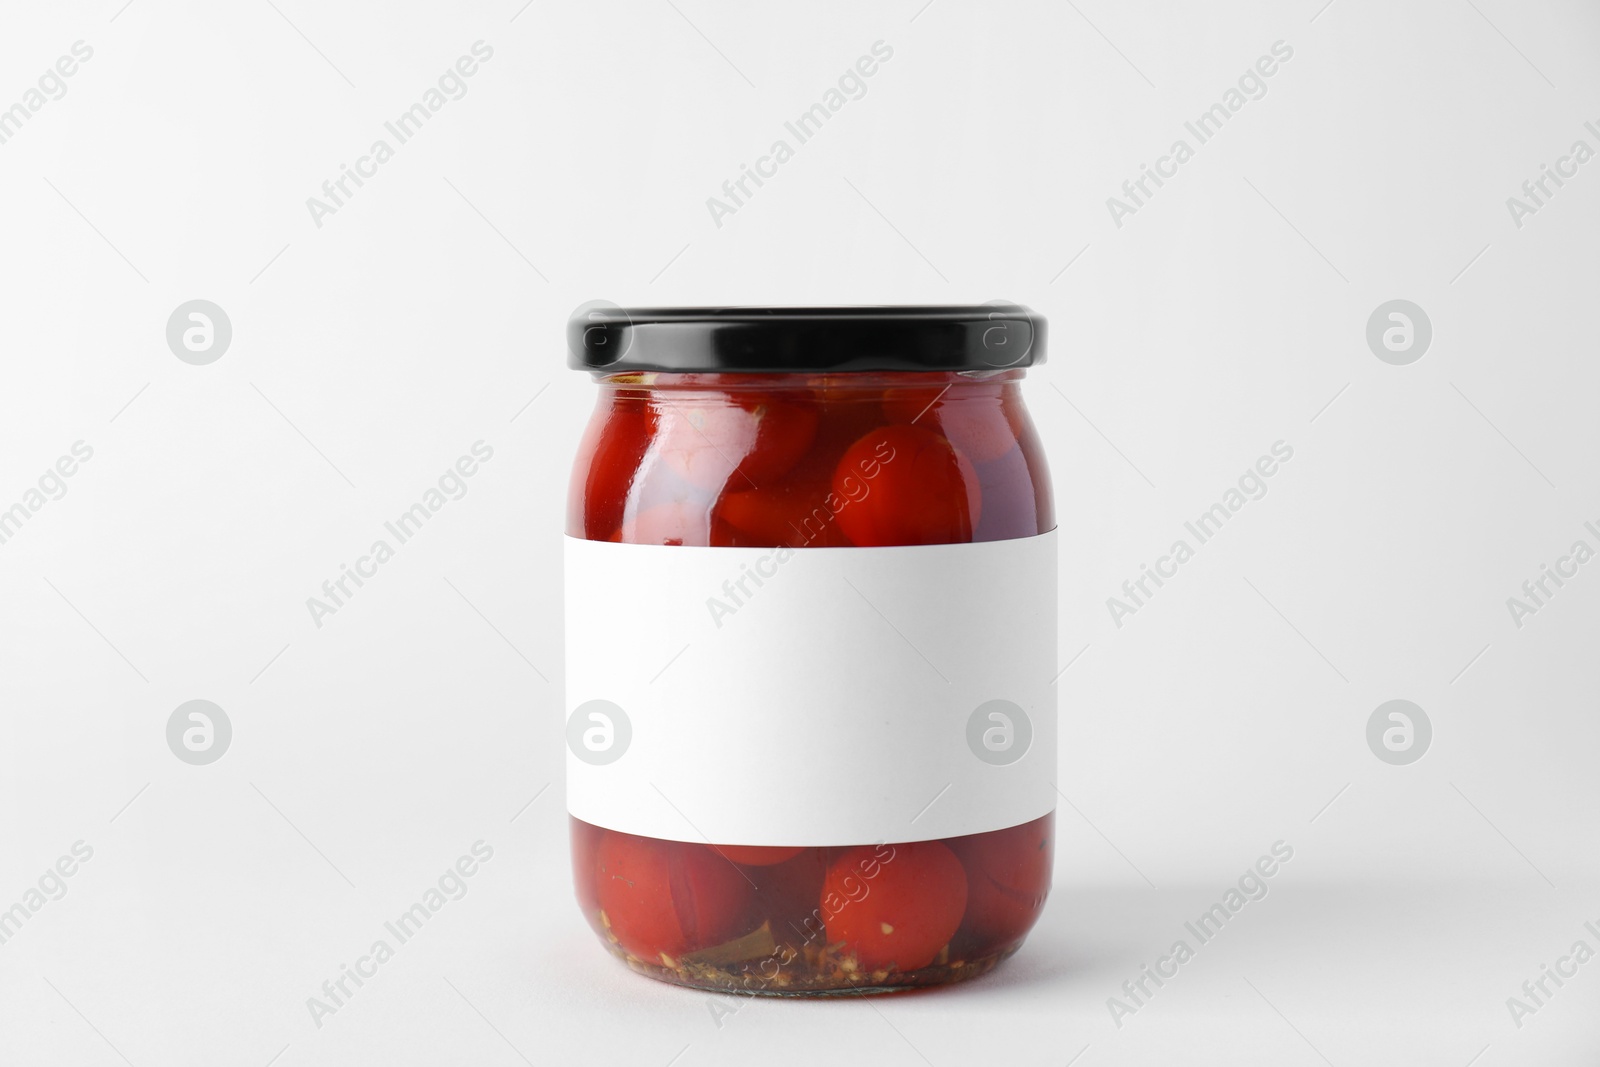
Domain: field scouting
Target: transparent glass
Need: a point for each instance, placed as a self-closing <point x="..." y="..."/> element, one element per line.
<point x="799" y="460"/>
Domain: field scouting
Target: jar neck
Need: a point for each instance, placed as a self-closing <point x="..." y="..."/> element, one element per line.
<point x="957" y="383"/>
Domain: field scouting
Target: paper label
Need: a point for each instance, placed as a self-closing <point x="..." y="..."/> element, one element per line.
<point x="814" y="696"/>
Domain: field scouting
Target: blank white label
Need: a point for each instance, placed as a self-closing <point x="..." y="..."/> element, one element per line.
<point x="814" y="696"/>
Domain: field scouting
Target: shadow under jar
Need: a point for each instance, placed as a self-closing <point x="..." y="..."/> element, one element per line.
<point x="810" y="606"/>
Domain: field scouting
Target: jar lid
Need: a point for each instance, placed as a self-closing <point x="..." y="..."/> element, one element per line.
<point x="606" y="338"/>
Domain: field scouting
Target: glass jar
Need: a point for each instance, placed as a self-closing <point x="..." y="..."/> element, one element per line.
<point x="811" y="645"/>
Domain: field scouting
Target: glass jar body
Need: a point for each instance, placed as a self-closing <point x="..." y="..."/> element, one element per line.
<point x="798" y="461"/>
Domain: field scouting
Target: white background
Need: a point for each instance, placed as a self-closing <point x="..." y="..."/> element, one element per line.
<point x="427" y="314"/>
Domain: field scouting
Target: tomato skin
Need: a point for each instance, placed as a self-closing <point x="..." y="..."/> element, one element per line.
<point x="978" y="424"/>
<point x="608" y="463"/>
<point x="799" y="516"/>
<point x="755" y="855"/>
<point x="847" y="415"/>
<point x="740" y="445"/>
<point x="667" y="896"/>
<point x="906" y="485"/>
<point x="701" y="443"/>
<point x="785" y="430"/>
<point x="1008" y="878"/>
<point x="902" y="915"/>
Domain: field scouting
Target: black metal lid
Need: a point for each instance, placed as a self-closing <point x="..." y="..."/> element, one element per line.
<point x="605" y="338"/>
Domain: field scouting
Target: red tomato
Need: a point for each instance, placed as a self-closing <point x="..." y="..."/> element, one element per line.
<point x="740" y="445"/>
<point x="800" y="516"/>
<point x="840" y="422"/>
<point x="1008" y="878"/>
<point x="702" y="443"/>
<point x="614" y="446"/>
<point x="978" y="423"/>
<point x="755" y="855"/>
<point x="784" y="434"/>
<point x="904" y="914"/>
<point x="906" y="485"/>
<point x="668" y="896"/>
